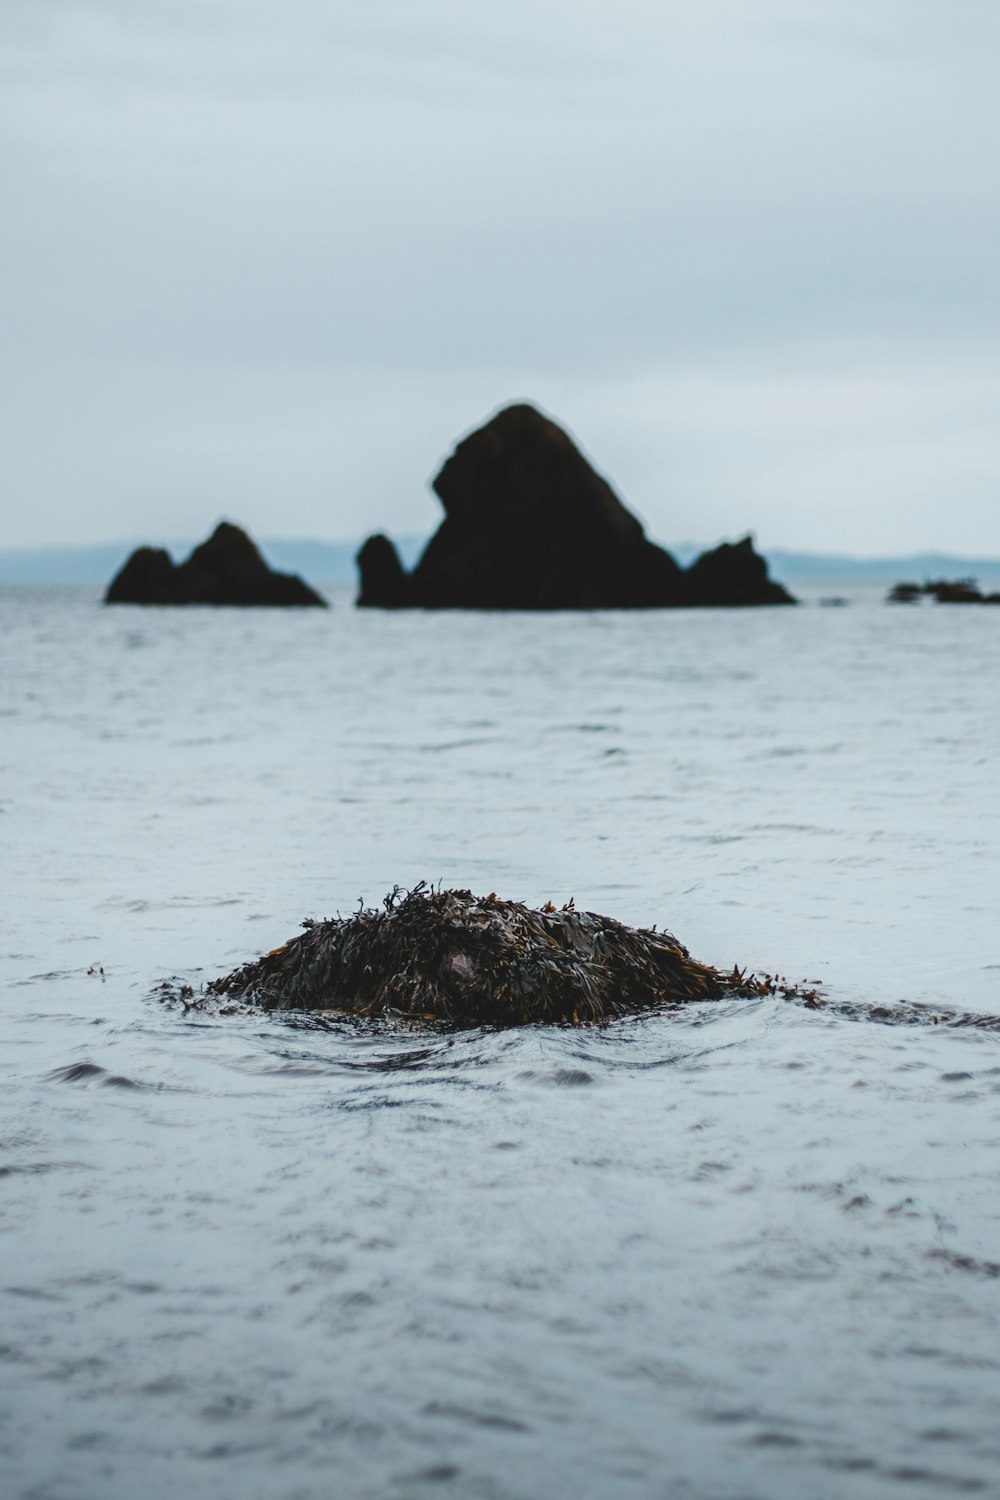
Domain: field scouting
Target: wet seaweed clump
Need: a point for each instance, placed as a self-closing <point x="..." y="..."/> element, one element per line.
<point x="454" y="957"/>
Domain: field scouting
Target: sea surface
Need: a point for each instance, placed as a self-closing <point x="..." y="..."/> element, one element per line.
<point x="746" y="1252"/>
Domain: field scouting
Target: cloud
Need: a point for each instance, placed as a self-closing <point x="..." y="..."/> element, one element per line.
<point x="221" y="207"/>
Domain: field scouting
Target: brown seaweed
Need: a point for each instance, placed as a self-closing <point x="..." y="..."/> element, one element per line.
<point x="451" y="956"/>
<point x="446" y="957"/>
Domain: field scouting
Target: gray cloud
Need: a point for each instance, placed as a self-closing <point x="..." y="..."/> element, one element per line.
<point x="247" y="243"/>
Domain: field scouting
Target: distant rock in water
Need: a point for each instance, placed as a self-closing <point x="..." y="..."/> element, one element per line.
<point x="449" y="956"/>
<point x="733" y="574"/>
<point x="477" y="960"/>
<point x="942" y="591"/>
<point x="227" y="569"/>
<point x="384" y="580"/>
<point x="905" y="593"/>
<point x="529" y="524"/>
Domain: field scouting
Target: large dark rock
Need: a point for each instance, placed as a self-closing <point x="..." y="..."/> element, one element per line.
<point x="227" y="569"/>
<point x="529" y="524"/>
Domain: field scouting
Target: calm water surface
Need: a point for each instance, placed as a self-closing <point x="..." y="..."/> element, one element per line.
<point x="749" y="1253"/>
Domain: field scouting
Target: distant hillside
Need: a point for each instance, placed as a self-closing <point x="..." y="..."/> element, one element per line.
<point x="333" y="562"/>
<point x="61" y="564"/>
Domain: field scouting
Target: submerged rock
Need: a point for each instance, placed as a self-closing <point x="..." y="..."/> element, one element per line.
<point x="529" y="524"/>
<point x="455" y="957"/>
<point x="226" y="569"/>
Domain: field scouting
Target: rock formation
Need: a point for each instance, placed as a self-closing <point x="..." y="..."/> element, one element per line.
<point x="385" y="583"/>
<point x="733" y="574"/>
<point x="227" y="569"/>
<point x="529" y="524"/>
<point x="942" y="591"/>
<point x="470" y="960"/>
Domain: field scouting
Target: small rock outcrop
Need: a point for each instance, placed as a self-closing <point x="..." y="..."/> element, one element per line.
<point x="476" y="960"/>
<point x="529" y="524"/>
<point x="942" y="591"/>
<point x="226" y="569"/>
<point x="385" y="583"/>
<point x="733" y="574"/>
<point x="449" y="957"/>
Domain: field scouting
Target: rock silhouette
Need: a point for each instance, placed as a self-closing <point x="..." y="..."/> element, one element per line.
<point x="733" y="574"/>
<point x="225" y="569"/>
<point x="529" y="524"/>
<point x="942" y="591"/>
<point x="384" y="580"/>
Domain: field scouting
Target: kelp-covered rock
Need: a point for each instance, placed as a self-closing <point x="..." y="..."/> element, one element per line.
<point x="452" y="956"/>
<point x="225" y="569"/>
<point x="431" y="956"/>
<point x="530" y="524"/>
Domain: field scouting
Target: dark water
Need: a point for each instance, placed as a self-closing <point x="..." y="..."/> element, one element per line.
<point x="749" y="1251"/>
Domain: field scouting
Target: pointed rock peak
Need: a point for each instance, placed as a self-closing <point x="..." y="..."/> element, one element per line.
<point x="526" y="420"/>
<point x="227" y="531"/>
<point x="521" y="469"/>
<point x="518" y="426"/>
<point x="226" y="569"/>
<point x="229" y="544"/>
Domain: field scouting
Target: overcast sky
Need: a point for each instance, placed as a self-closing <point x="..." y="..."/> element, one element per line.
<point x="270" y="258"/>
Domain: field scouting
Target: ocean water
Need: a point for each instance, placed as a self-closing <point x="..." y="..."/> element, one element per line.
<point x="748" y="1252"/>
